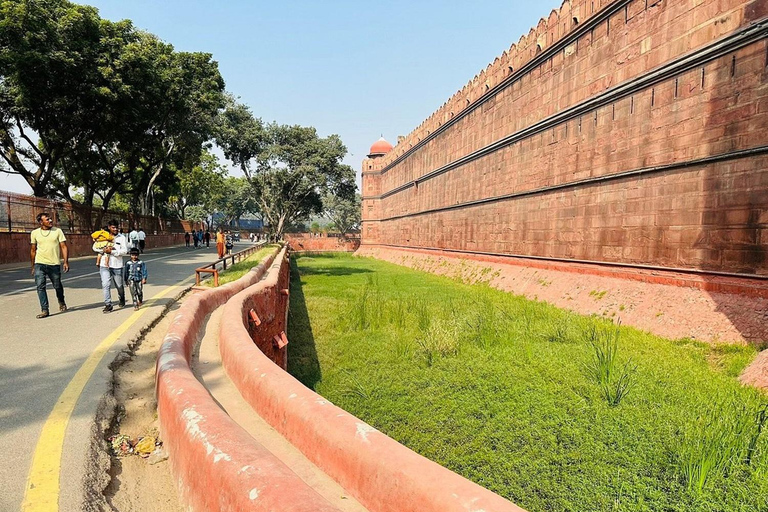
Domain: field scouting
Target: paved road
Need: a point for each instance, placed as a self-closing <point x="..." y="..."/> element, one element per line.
<point x="39" y="358"/>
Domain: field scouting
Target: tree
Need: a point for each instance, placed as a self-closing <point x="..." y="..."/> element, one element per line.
<point x="191" y="100"/>
<point x="241" y="136"/>
<point x="197" y="186"/>
<point x="99" y="105"/>
<point x="49" y="85"/>
<point x="345" y="214"/>
<point x="233" y="199"/>
<point x="290" y="167"/>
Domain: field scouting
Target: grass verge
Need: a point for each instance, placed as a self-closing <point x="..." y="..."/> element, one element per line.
<point x="239" y="269"/>
<point x="552" y="410"/>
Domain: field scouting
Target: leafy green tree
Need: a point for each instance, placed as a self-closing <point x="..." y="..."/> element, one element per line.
<point x="49" y="85"/>
<point x="197" y="213"/>
<point x="293" y="173"/>
<point x="192" y="98"/>
<point x="345" y="213"/>
<point x="241" y="136"/>
<point x="234" y="198"/>
<point x="99" y="106"/>
<point x="197" y="186"/>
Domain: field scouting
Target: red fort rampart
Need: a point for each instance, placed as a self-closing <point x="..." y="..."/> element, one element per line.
<point x="630" y="132"/>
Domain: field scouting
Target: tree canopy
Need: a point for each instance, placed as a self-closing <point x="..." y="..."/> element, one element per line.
<point x="99" y="105"/>
<point x="101" y="113"/>
<point x="291" y="168"/>
<point x="345" y="213"/>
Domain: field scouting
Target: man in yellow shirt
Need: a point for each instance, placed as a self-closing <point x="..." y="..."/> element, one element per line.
<point x="49" y="245"/>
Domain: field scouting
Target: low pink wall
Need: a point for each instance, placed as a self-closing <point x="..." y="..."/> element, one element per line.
<point x="217" y="465"/>
<point x="14" y="247"/>
<point x="382" y="474"/>
<point x="305" y="243"/>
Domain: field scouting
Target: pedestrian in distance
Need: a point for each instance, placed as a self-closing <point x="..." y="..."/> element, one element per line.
<point x="48" y="248"/>
<point x="142" y="240"/>
<point x="194" y="238"/>
<point x="186" y="238"/>
<point x="111" y="271"/>
<point x="207" y="238"/>
<point x="229" y="242"/>
<point x="220" y="243"/>
<point x="133" y="238"/>
<point x="135" y="274"/>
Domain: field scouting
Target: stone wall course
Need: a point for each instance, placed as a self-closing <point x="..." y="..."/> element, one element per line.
<point x="712" y="109"/>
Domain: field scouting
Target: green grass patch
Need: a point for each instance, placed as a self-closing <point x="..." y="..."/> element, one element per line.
<point x="552" y="410"/>
<point x="239" y="269"/>
<point x="597" y="294"/>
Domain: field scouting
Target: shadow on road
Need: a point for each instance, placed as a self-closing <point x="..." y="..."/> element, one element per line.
<point x="29" y="392"/>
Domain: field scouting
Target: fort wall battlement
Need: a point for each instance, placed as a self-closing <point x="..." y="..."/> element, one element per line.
<point x="625" y="131"/>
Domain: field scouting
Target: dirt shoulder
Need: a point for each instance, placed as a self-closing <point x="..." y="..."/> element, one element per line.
<point x="137" y="484"/>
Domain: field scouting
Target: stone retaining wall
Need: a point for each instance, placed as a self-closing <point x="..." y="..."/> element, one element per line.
<point x="14" y="247"/>
<point x="623" y="131"/>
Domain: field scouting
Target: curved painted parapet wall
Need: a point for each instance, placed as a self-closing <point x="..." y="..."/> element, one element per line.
<point x="382" y="474"/>
<point x="217" y="465"/>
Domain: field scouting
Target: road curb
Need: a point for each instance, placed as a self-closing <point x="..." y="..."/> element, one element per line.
<point x="216" y="464"/>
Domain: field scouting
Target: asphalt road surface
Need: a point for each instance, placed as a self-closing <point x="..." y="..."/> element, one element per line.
<point x="45" y="431"/>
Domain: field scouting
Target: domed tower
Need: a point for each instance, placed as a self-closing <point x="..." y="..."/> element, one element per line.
<point x="380" y="148"/>
<point x="371" y="190"/>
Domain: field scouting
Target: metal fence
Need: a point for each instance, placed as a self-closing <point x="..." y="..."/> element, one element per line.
<point x="20" y="215"/>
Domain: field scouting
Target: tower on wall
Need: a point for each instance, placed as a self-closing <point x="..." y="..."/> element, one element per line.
<point x="372" y="190"/>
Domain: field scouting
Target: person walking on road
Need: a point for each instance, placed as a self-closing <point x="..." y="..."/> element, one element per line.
<point x="220" y="242"/>
<point x="142" y="240"/>
<point x="112" y="271"/>
<point x="48" y="247"/>
<point x="133" y="238"/>
<point x="207" y="238"/>
<point x="186" y="238"/>
<point x="135" y="274"/>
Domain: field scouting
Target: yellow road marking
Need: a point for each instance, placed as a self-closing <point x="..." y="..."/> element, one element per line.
<point x="42" y="491"/>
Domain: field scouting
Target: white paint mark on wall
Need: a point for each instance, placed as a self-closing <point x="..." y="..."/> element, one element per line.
<point x="363" y="430"/>
<point x="221" y="455"/>
<point x="253" y="494"/>
<point x="192" y="419"/>
<point x="165" y="361"/>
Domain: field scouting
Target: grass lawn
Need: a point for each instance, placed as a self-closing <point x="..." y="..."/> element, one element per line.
<point x="550" y="409"/>
<point x="239" y="269"/>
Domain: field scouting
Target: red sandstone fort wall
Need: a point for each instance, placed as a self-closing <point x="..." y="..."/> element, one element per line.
<point x="631" y="131"/>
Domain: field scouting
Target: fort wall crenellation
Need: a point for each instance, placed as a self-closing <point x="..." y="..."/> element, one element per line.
<point x="630" y="131"/>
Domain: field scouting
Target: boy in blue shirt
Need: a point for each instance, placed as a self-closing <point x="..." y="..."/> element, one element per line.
<point x="135" y="275"/>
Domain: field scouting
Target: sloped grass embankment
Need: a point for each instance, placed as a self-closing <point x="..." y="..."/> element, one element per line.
<point x="239" y="269"/>
<point x="550" y="409"/>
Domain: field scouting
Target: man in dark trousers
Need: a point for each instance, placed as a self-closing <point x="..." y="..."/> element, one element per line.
<point x="49" y="246"/>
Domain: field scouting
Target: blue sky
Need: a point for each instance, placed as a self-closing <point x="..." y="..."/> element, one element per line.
<point x="359" y="69"/>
